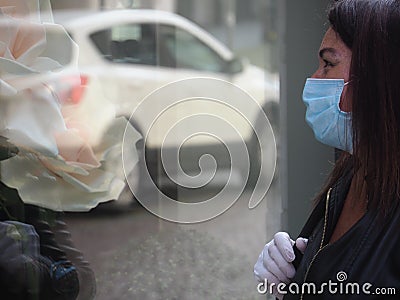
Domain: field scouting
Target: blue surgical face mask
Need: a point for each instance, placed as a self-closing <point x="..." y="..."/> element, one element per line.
<point x="331" y="125"/>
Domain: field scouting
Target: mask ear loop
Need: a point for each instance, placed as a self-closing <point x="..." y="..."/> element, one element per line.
<point x="346" y="127"/>
<point x="346" y="83"/>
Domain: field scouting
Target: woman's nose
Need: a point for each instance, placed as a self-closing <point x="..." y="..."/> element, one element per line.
<point x="317" y="74"/>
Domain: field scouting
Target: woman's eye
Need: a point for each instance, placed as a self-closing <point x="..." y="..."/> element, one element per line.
<point x="327" y="64"/>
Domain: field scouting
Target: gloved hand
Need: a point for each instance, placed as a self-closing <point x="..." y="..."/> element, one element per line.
<point x="274" y="265"/>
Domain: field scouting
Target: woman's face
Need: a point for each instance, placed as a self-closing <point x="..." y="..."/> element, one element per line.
<point x="334" y="63"/>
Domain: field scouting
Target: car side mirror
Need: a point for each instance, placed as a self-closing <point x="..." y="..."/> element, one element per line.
<point x="235" y="65"/>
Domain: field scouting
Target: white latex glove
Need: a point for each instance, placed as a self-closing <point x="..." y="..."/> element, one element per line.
<point x="274" y="265"/>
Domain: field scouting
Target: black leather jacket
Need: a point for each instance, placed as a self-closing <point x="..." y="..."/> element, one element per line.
<point x="363" y="264"/>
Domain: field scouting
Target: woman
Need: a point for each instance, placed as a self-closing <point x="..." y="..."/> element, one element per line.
<point x="349" y="245"/>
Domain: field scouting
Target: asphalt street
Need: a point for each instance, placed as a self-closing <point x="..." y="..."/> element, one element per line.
<point x="136" y="255"/>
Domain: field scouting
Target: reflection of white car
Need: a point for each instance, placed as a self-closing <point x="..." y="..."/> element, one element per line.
<point x="132" y="53"/>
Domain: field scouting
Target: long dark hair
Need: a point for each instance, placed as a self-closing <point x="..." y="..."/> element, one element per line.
<point x="371" y="29"/>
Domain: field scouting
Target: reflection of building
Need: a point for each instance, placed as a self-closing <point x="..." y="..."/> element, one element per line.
<point x="205" y="12"/>
<point x="74" y="4"/>
<point x="168" y="5"/>
<point x="209" y="14"/>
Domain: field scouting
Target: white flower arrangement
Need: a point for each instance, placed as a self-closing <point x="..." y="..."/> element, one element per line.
<point x="60" y="164"/>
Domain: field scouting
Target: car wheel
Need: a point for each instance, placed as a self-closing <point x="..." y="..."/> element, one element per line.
<point x="154" y="166"/>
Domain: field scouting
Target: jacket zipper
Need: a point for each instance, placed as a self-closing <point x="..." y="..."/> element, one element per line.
<point x="321" y="246"/>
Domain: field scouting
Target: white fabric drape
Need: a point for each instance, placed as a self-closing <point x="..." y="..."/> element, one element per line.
<point x="60" y="165"/>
